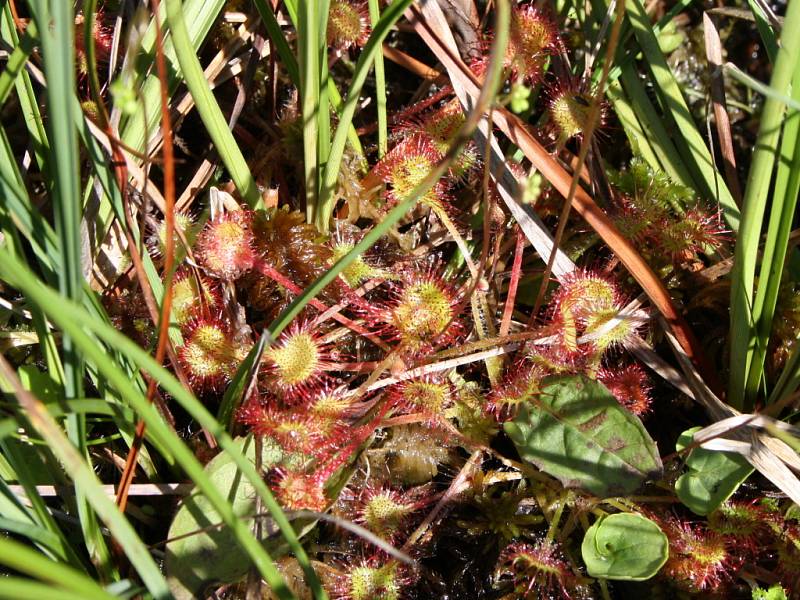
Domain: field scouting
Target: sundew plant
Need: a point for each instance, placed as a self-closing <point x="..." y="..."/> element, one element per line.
<point x="399" y="300"/>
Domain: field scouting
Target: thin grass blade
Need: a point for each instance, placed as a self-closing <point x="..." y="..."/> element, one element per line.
<point x="31" y="563"/>
<point x="85" y="479"/>
<point x="743" y="333"/>
<point x="207" y="106"/>
<point x="782" y="213"/>
<point x="365" y="60"/>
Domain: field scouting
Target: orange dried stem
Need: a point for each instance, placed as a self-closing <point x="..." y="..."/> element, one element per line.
<point x="169" y="259"/>
<point x="592" y="118"/>
<point x="516" y="269"/>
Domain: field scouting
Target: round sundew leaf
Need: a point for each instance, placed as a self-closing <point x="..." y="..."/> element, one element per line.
<point x="211" y="554"/>
<point x="624" y="546"/>
<point x="711" y="478"/>
<point x="576" y="431"/>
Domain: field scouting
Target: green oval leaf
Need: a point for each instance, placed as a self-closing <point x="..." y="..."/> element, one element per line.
<point x="624" y="546"/>
<point x="204" y="553"/>
<point x="711" y="478"/>
<point x="576" y="431"/>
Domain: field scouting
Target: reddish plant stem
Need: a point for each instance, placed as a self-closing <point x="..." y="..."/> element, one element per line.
<point x="359" y="437"/>
<point x="169" y="259"/>
<point x="408" y="112"/>
<point x="18" y="23"/>
<point x="272" y="273"/>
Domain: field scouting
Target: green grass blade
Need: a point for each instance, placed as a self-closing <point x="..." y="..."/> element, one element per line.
<point x="365" y="60"/>
<point x="17" y="208"/>
<point x="16" y="588"/>
<point x="308" y="60"/>
<point x="27" y="466"/>
<point x="31" y="563"/>
<point x="17" y="205"/>
<point x="380" y="86"/>
<point x="20" y="519"/>
<point x="707" y="180"/>
<point x="207" y="106"/>
<point x="45" y="540"/>
<point x="323" y="115"/>
<point x="291" y="8"/>
<point x="782" y="212"/>
<point x="765" y="31"/>
<point x="743" y="328"/>
<point x="627" y="57"/>
<point x="28" y="100"/>
<point x="77" y="322"/>
<point x="638" y="139"/>
<point x="757" y="86"/>
<point x="94" y="406"/>
<point x="201" y="15"/>
<point x="281" y="45"/>
<point x="85" y="479"/>
<point x="57" y="30"/>
<point x="671" y="161"/>
<point x="59" y="67"/>
<point x="15" y="65"/>
<point x="20" y="210"/>
<point x="352" y="135"/>
<point x="30" y="464"/>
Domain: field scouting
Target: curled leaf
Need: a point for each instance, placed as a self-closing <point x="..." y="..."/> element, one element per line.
<point x="624" y="546"/>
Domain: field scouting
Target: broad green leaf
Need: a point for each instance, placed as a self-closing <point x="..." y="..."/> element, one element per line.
<point x="209" y="553"/>
<point x="624" y="546"/>
<point x="711" y="478"/>
<point x="576" y="431"/>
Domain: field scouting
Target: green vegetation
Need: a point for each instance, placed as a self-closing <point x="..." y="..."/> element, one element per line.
<point x="390" y="300"/>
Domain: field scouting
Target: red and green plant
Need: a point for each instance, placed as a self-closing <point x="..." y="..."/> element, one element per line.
<point x="327" y="295"/>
